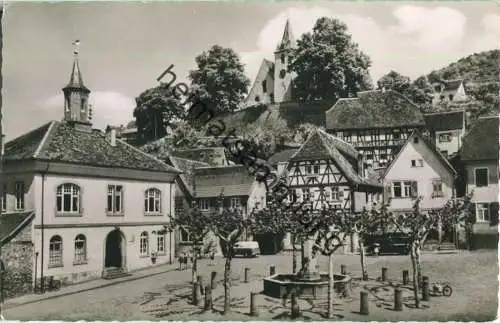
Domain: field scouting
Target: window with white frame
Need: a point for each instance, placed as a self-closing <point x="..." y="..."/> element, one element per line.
<point x="417" y="163"/>
<point x="80" y="250"/>
<point x="160" y="241"/>
<point x="55" y="251"/>
<point x="481" y="176"/>
<point x="152" y="201"/>
<point x="401" y="189"/>
<point x="445" y="137"/>
<point x="115" y="199"/>
<point x="437" y="188"/>
<point x="204" y="204"/>
<point x="335" y="193"/>
<point x="19" y="192"/>
<point x="306" y="195"/>
<point x="483" y="212"/>
<point x="4" y="197"/>
<point x="235" y="202"/>
<point x="316" y="169"/>
<point x="144" y="244"/>
<point x="68" y="198"/>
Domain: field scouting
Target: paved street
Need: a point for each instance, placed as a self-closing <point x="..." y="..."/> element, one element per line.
<point x="473" y="277"/>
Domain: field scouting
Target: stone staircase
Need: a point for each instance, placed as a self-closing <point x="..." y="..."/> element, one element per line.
<point x="447" y="247"/>
<point x="114" y="272"/>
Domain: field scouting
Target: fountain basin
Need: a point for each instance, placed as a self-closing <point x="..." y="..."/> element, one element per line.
<point x="279" y="285"/>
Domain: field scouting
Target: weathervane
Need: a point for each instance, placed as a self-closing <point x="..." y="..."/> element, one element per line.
<point x="76" y="47"/>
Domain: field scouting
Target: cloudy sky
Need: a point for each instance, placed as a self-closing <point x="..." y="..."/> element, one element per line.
<point x="126" y="46"/>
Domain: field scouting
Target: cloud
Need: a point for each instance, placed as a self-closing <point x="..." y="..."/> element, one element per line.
<point x="437" y="29"/>
<point x="108" y="108"/>
<point x="420" y="40"/>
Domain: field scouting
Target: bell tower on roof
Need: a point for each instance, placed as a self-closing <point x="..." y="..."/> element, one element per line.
<point x="76" y="94"/>
<point x="283" y="78"/>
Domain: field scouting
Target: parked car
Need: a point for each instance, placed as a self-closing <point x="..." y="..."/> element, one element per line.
<point x="247" y="249"/>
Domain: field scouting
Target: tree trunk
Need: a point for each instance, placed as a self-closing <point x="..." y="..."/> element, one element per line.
<point x="415" y="276"/>
<point x="227" y="284"/>
<point x="419" y="264"/>
<point x="362" y="256"/>
<point x="330" y="286"/>
<point x="194" y="271"/>
<point x="302" y="254"/>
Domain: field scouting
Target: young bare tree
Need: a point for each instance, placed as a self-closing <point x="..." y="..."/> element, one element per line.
<point x="229" y="226"/>
<point x="417" y="225"/>
<point x="197" y="226"/>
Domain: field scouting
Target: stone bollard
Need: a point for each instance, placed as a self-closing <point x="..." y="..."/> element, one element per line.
<point x="213" y="282"/>
<point x="247" y="274"/>
<point x="406" y="277"/>
<point x="199" y="279"/>
<point x="253" y="304"/>
<point x="363" y="305"/>
<point x="295" y="309"/>
<point x="384" y="274"/>
<point x="196" y="293"/>
<point x="343" y="269"/>
<point x="425" y="288"/>
<point x="208" y="298"/>
<point x="272" y="270"/>
<point x="398" y="302"/>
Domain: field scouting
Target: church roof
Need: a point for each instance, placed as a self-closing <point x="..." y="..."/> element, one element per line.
<point x="232" y="180"/>
<point x="60" y="141"/>
<point x="374" y="109"/>
<point x="481" y="142"/>
<point x="442" y="121"/>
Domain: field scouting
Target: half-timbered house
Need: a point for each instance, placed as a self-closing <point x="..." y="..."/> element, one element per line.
<point x="327" y="172"/>
<point x="377" y="123"/>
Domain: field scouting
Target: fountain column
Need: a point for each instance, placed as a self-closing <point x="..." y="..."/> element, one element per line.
<point x="309" y="272"/>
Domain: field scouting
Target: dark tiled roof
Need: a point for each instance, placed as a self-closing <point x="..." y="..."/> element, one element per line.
<point x="282" y="156"/>
<point x="233" y="180"/>
<point x="374" y="109"/>
<point x="187" y="167"/>
<point x="12" y="223"/>
<point x="322" y="145"/>
<point x="481" y="142"/>
<point x="215" y="156"/>
<point x="442" y="121"/>
<point x="452" y="85"/>
<point x="297" y="113"/>
<point x="60" y="141"/>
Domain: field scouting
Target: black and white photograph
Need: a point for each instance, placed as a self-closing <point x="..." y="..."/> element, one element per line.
<point x="249" y="161"/>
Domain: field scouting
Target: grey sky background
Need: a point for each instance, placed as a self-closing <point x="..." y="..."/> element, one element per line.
<point x="126" y="46"/>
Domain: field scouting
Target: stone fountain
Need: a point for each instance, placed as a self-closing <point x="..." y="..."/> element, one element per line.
<point x="309" y="283"/>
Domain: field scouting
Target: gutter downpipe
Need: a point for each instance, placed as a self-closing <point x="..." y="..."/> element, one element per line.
<point x="170" y="232"/>
<point x="42" y="251"/>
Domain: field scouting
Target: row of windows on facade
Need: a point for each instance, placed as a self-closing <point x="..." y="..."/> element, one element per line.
<point x="334" y="194"/>
<point x="68" y="199"/>
<point x="371" y="135"/>
<point x="403" y="189"/>
<point x="235" y="203"/>
<point x="80" y="248"/>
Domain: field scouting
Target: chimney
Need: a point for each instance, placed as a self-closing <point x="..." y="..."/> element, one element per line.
<point x="112" y="135"/>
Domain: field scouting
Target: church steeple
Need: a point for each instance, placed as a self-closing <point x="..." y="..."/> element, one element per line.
<point x="287" y="41"/>
<point x="76" y="94"/>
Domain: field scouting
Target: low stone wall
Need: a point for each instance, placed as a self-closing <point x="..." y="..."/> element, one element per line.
<point x="17" y="257"/>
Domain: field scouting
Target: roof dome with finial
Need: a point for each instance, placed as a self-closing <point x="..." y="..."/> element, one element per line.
<point x="76" y="78"/>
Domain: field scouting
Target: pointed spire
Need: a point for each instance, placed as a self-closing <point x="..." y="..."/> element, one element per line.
<point x="287" y="41"/>
<point x="76" y="78"/>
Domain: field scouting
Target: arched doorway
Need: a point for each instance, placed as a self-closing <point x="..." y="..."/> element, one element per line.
<point x="115" y="250"/>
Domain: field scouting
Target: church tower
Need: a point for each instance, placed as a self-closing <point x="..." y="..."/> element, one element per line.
<point x="76" y="96"/>
<point x="283" y="78"/>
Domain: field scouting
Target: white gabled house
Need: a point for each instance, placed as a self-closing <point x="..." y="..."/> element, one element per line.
<point x="420" y="169"/>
